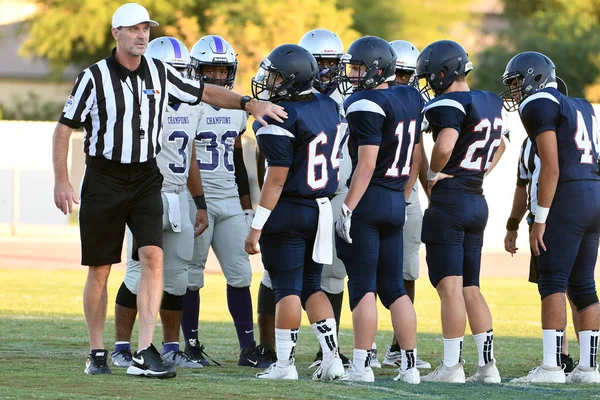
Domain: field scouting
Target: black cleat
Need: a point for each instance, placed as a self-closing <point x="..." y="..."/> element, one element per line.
<point x="567" y="363"/>
<point x="149" y="363"/>
<point x="267" y="351"/>
<point x="195" y="351"/>
<point x="253" y="357"/>
<point x="96" y="363"/>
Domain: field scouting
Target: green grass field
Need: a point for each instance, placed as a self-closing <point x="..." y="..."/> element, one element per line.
<point x="43" y="345"/>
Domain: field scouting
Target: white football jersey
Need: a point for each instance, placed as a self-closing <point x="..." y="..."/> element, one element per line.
<point x="345" y="168"/>
<point x="180" y="126"/>
<point x="215" y="138"/>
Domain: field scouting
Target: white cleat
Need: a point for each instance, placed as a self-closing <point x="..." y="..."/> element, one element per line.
<point x="584" y="375"/>
<point x="487" y="374"/>
<point x="277" y="372"/>
<point x="366" y="375"/>
<point x="420" y="364"/>
<point x="329" y="370"/>
<point x="411" y="376"/>
<point x="454" y="374"/>
<point x="392" y="358"/>
<point x="543" y="374"/>
<point x="374" y="362"/>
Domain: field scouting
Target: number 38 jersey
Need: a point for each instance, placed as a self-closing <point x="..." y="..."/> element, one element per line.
<point x="576" y="129"/>
<point x="214" y="150"/>
<point x="180" y="124"/>
<point x="307" y="143"/>
<point x="477" y="117"/>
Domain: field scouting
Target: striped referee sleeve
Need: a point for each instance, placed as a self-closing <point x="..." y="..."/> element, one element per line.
<point x="522" y="173"/>
<point x="183" y="90"/>
<point x="80" y="101"/>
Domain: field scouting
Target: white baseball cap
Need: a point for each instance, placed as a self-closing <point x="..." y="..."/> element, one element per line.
<point x="131" y="14"/>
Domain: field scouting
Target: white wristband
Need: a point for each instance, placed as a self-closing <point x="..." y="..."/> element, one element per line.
<point x="541" y="214"/>
<point x="260" y="218"/>
<point x="431" y="175"/>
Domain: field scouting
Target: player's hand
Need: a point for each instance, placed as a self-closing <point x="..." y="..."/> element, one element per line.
<point x="510" y="242"/>
<point x="249" y="216"/>
<point x="431" y="184"/>
<point x="64" y="197"/>
<point x="342" y="225"/>
<point x="201" y="222"/>
<point x="260" y="109"/>
<point x="251" y="244"/>
<point x="536" y="238"/>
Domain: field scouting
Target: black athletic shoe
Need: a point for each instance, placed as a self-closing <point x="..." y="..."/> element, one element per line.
<point x="567" y="363"/>
<point x="267" y="351"/>
<point x="149" y="362"/>
<point x="195" y="352"/>
<point x="253" y="357"/>
<point x="96" y="363"/>
<point x="345" y="360"/>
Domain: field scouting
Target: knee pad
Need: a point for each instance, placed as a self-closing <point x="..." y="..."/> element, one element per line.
<point x="125" y="298"/>
<point x="583" y="301"/>
<point x="266" y="301"/>
<point x="171" y="302"/>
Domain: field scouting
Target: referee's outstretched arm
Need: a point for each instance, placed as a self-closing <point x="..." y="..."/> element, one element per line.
<point x="64" y="195"/>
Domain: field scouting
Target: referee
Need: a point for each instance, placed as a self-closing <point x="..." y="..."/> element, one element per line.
<point x="120" y="102"/>
<point x="525" y="200"/>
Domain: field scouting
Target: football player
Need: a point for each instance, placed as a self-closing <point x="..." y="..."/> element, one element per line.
<point x="566" y="228"/>
<point x="384" y="140"/>
<point x="294" y="219"/>
<point x="177" y="166"/>
<point x="227" y="191"/>
<point x="406" y="64"/>
<point x="466" y="126"/>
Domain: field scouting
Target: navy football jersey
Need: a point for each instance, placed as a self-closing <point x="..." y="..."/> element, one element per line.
<point x="307" y="142"/>
<point x="391" y="119"/>
<point x="576" y="129"/>
<point x="477" y="117"/>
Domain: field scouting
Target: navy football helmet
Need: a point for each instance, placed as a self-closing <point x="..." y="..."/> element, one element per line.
<point x="288" y="71"/>
<point x="525" y="74"/>
<point x="377" y="56"/>
<point x="439" y="64"/>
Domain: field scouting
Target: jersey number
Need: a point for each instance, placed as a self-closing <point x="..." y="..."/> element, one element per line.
<point x="394" y="170"/>
<point x="213" y="149"/>
<point x="583" y="141"/>
<point x="184" y="138"/>
<point x="471" y="162"/>
<point x="318" y="161"/>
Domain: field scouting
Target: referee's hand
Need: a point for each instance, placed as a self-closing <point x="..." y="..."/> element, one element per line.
<point x="64" y="197"/>
<point x="261" y="109"/>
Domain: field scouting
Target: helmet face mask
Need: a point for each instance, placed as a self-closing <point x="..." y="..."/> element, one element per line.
<point x="525" y="74"/>
<point x="327" y="48"/>
<point x="328" y="76"/>
<point x="287" y="72"/>
<point x="213" y="51"/>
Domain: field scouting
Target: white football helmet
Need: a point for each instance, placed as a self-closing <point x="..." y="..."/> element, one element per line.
<point x="407" y="54"/>
<point x="213" y="50"/>
<point x="324" y="44"/>
<point x="171" y="51"/>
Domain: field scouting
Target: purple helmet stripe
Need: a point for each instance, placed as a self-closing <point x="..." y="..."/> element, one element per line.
<point x="176" y="47"/>
<point x="218" y="45"/>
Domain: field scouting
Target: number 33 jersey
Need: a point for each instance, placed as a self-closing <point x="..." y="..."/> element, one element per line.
<point x="214" y="150"/>
<point x="180" y="124"/>
<point x="477" y="117"/>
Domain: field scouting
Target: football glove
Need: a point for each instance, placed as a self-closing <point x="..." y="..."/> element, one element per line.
<point x="342" y="225"/>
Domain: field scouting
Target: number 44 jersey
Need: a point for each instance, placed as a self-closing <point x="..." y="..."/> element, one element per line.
<point x="180" y="125"/>
<point x="215" y="140"/>
<point x="477" y="117"/>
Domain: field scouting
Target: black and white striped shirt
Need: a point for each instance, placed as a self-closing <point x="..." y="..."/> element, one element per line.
<point x="528" y="173"/>
<point x="121" y="111"/>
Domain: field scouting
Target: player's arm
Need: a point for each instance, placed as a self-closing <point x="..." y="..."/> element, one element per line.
<point x="440" y="155"/>
<point x="424" y="166"/>
<point x="367" y="160"/>
<point x="261" y="166"/>
<point x="415" y="169"/>
<point x="547" y="182"/>
<point x="194" y="185"/>
<point x="241" y="175"/>
<point x="64" y="195"/>
<point x="498" y="154"/>
<point x="519" y="206"/>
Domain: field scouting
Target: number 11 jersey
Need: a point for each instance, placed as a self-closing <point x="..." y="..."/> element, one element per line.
<point x="214" y="150"/>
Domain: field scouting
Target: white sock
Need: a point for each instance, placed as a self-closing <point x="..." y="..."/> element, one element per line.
<point x="485" y="346"/>
<point x="325" y="330"/>
<point x="360" y="359"/>
<point x="588" y="348"/>
<point x="552" y="340"/>
<point x="285" y="340"/>
<point x="453" y="351"/>
<point x="409" y="359"/>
